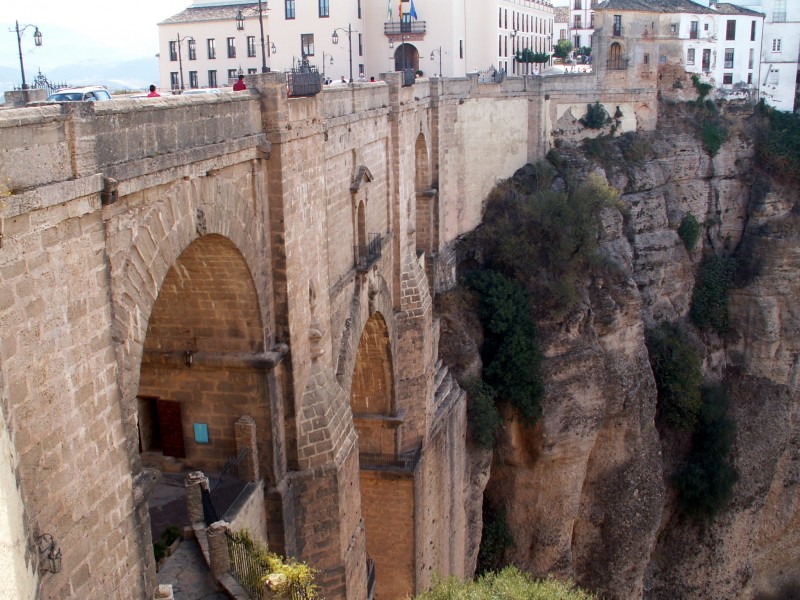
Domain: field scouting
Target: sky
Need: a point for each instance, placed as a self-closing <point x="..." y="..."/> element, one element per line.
<point x="75" y="31"/>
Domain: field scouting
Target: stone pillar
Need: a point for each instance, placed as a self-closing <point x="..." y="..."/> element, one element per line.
<point x="245" y="429"/>
<point x="163" y="592"/>
<point x="18" y="98"/>
<point x="218" y="548"/>
<point x="195" y="482"/>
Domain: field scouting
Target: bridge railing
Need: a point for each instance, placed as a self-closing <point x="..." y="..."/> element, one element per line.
<point x="304" y="80"/>
<point x="368" y="254"/>
<point x="405" y="462"/>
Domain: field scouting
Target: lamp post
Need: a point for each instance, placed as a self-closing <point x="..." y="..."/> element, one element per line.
<point x="180" y="40"/>
<point x="240" y="27"/>
<point x="37" y="39"/>
<point x="335" y="40"/>
<point x="324" y="54"/>
<point x="439" y="50"/>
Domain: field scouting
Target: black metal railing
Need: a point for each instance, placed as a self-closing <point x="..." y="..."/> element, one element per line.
<point x="616" y="30"/>
<point x="304" y="80"/>
<point x="209" y="511"/>
<point x="40" y="82"/>
<point x="409" y="76"/>
<point x="247" y="567"/>
<point x="376" y="461"/>
<point x="368" y="254"/>
<point x="370" y="578"/>
<point x="226" y="489"/>
<point x="617" y="64"/>
<point x="401" y="27"/>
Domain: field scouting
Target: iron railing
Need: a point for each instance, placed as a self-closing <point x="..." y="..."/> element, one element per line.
<point x="403" y="27"/>
<point x="40" y="82"/>
<point x="369" y="253"/>
<point x="370" y="578"/>
<point x="246" y="566"/>
<point x="409" y="76"/>
<point x="617" y="64"/>
<point x="303" y="80"/>
<point x="376" y="461"/>
<point x="226" y="489"/>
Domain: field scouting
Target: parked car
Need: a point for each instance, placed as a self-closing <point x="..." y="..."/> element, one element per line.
<point x="92" y="93"/>
<point x="201" y="91"/>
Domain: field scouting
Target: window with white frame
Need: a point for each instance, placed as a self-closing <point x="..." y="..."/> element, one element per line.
<point x="690" y="56"/>
<point x="728" y="58"/>
<point x="776" y="45"/>
<point x="251" y="46"/>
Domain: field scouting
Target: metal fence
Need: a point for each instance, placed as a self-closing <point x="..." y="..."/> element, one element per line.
<point x="247" y="567"/>
<point x="376" y="461"/>
<point x="367" y="254"/>
<point x="40" y="82"/>
<point x="226" y="489"/>
<point x="304" y="80"/>
<point x="409" y="77"/>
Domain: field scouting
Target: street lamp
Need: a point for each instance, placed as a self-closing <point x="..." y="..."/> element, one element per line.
<point x="37" y="39"/>
<point x="335" y="40"/>
<point x="440" y="58"/>
<point x="324" y="54"/>
<point x="240" y="27"/>
<point x="180" y="40"/>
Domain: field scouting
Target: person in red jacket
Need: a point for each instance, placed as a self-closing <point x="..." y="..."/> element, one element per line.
<point x="153" y="93"/>
<point x="239" y="85"/>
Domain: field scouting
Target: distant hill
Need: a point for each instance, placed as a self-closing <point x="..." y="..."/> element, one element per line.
<point x="127" y="75"/>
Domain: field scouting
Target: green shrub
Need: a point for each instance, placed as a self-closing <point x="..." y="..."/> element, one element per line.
<point x="171" y="534"/>
<point x="512" y="363"/>
<point x="709" y="308"/>
<point x="676" y="368"/>
<point x="483" y="419"/>
<point x="562" y="49"/>
<point x="595" y="117"/>
<point x="496" y="538"/>
<point x="635" y="148"/>
<point x="703" y="89"/>
<point x="778" y="143"/>
<point x="712" y="134"/>
<point x="508" y="584"/>
<point x="689" y="231"/>
<point x="705" y="485"/>
<point x="159" y="550"/>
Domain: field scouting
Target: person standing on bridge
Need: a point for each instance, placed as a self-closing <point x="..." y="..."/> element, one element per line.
<point x="153" y="93"/>
<point x="240" y="85"/>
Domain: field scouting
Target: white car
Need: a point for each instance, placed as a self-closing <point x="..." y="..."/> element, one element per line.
<point x="92" y="93"/>
<point x="194" y="91"/>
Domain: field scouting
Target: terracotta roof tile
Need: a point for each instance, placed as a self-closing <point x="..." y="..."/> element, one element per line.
<point x="220" y="12"/>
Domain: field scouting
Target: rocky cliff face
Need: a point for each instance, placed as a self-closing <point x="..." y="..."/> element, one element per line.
<point x="587" y="491"/>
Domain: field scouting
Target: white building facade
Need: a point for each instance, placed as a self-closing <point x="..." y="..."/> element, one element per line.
<point x="202" y="46"/>
<point x="581" y="23"/>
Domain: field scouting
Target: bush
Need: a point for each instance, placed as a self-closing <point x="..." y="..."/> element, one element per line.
<point x="171" y="534"/>
<point x="508" y="584"/>
<point x="483" y="419"/>
<point x="159" y="550"/>
<point x="676" y="368"/>
<point x="705" y="485"/>
<point x="778" y="143"/>
<point x="710" y="296"/>
<point x="703" y="89"/>
<point x="562" y="49"/>
<point x="712" y="134"/>
<point x="596" y="116"/>
<point x="689" y="231"/>
<point x="496" y="538"/>
<point x="512" y="363"/>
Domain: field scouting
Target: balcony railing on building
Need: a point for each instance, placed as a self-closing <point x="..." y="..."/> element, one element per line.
<point x="403" y="27"/>
<point x="375" y="461"/>
<point x="368" y="254"/>
<point x="303" y="80"/>
<point x="616" y="30"/>
<point x="370" y="578"/>
<point x="617" y="64"/>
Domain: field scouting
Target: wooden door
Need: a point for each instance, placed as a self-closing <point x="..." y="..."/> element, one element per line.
<point x="169" y="420"/>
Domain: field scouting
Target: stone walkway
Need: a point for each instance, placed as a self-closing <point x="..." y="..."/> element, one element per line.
<point x="189" y="576"/>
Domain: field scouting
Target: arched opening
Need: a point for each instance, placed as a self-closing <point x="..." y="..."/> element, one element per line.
<point x="387" y="478"/>
<point x="200" y="371"/>
<point x="406" y="56"/>
<point x="361" y="234"/>
<point x="615" y="59"/>
<point x="426" y="199"/>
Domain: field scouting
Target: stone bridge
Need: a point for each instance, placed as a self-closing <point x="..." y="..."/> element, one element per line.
<point x="170" y="265"/>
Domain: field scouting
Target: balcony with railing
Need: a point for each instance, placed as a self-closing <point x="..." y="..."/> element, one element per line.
<point x="367" y="254"/>
<point x="303" y="80"/>
<point x="399" y="28"/>
<point x="617" y="64"/>
<point x="405" y="462"/>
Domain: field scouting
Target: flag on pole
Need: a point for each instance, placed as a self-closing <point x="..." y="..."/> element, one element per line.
<point x="400" y="9"/>
<point x="413" y="11"/>
<point x="389" y="10"/>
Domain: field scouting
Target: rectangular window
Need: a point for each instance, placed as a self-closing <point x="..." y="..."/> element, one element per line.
<point x="232" y="74"/>
<point x="192" y="49"/>
<point x="562" y="34"/>
<point x="577" y="21"/>
<point x="693" y="30"/>
<point x="324" y="9"/>
<point x="673" y="28"/>
<point x="288" y="7"/>
<point x="212" y="79"/>
<point x="231" y="48"/>
<point x="751" y="59"/>
<point x="690" y="56"/>
<point x="173" y="80"/>
<point x="617" y="29"/>
<point x="251" y="46"/>
<point x="577" y="4"/>
<point x="730" y="30"/>
<point x="499" y="45"/>
<point x="405" y="23"/>
<point x="646" y="58"/>
<point x="500" y="17"/>
<point x="706" y="60"/>
<point x="193" y="80"/>
<point x="252" y="71"/>
<point x="359" y="9"/>
<point x="727" y="78"/>
<point x="591" y="21"/>
<point x="173" y="51"/>
<point x="460" y="48"/>
<point x="307" y="44"/>
<point x="360" y="45"/>
<point x="772" y="77"/>
<point x="753" y="31"/>
<point x="779" y="11"/>
<point x="212" y="49"/>
<point x="776" y="45"/>
<point x="728" y="58"/>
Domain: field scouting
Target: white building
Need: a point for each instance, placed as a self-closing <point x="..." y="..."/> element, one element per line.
<point x="581" y="22"/>
<point x="202" y="46"/>
<point x="780" y="50"/>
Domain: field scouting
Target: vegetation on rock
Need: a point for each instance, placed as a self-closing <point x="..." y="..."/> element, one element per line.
<point x="675" y="361"/>
<point x="778" y="143"/>
<point x="508" y="584"/>
<point x="705" y="485"/>
<point x="710" y="297"/>
<point x="689" y="231"/>
<point x="703" y="89"/>
<point x="495" y="539"/>
<point x="596" y="116"/>
<point x="483" y="418"/>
